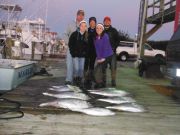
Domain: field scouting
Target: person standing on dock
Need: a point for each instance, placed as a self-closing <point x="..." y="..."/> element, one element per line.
<point x="104" y="54"/>
<point x="78" y="46"/>
<point x="91" y="56"/>
<point x="69" y="61"/>
<point x="114" y="40"/>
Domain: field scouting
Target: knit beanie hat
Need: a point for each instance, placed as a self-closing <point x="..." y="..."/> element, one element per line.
<point x="83" y="21"/>
<point x="92" y="19"/>
<point x="100" y="24"/>
<point x="107" y="18"/>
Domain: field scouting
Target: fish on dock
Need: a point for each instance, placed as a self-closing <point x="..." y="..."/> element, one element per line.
<point x="128" y="107"/>
<point x="66" y="88"/>
<point x="68" y="95"/>
<point x="61" y="89"/>
<point x="117" y="100"/>
<point x="71" y="104"/>
<point x="96" y="111"/>
<point x="110" y="93"/>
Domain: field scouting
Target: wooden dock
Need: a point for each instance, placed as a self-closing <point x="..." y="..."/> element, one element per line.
<point x="162" y="118"/>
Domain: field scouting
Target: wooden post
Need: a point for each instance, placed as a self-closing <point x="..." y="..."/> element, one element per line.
<point x="142" y="27"/>
<point x="33" y="50"/>
<point x="161" y="10"/>
<point x="44" y="50"/>
<point x="154" y="7"/>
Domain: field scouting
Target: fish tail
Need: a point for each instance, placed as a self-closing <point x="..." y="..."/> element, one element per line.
<point x="54" y="103"/>
<point x="52" y="89"/>
<point x="47" y="94"/>
<point x="44" y="104"/>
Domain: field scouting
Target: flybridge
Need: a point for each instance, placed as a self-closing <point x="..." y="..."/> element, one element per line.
<point x="9" y="7"/>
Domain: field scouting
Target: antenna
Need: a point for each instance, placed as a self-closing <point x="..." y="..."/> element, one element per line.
<point x="47" y="2"/>
<point x="46" y="16"/>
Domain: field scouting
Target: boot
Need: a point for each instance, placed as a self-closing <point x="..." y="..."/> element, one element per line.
<point x="80" y="83"/>
<point x="99" y="85"/>
<point x="87" y="84"/>
<point x="113" y="83"/>
<point x="75" y="81"/>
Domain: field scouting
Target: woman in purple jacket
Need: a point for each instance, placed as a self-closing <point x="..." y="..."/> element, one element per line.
<point x="104" y="54"/>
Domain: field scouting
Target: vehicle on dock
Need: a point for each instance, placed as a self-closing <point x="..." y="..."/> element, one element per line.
<point x="127" y="50"/>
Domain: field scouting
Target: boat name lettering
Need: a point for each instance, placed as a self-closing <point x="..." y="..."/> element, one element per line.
<point x="25" y="72"/>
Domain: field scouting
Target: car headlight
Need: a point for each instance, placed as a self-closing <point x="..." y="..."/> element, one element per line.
<point x="178" y="72"/>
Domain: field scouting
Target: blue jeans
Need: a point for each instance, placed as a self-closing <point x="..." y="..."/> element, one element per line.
<point x="78" y="66"/>
<point x="69" y="64"/>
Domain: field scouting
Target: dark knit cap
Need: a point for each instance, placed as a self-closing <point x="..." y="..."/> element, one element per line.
<point x="92" y="19"/>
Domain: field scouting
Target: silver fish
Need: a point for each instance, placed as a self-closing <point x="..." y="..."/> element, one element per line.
<point x="61" y="89"/>
<point x="71" y="87"/>
<point x="117" y="100"/>
<point x="96" y="111"/>
<point x="68" y="95"/>
<point x="110" y="93"/>
<point x="129" y="107"/>
<point x="106" y="89"/>
<point x="71" y="104"/>
<point x="66" y="88"/>
<point x="109" y="88"/>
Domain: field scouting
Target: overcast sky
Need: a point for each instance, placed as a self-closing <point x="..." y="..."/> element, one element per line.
<point x="124" y="14"/>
